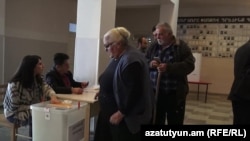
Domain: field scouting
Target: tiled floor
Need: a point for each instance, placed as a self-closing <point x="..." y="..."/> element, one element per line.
<point x="217" y="111"/>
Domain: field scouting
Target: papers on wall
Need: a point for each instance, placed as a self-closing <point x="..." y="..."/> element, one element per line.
<point x="195" y="75"/>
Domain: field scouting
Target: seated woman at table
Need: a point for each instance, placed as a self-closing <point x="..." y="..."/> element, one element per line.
<point x="25" y="88"/>
<point x="61" y="79"/>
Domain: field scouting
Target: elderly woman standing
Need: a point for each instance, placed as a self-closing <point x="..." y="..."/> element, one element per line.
<point x="126" y="95"/>
<point x="25" y="88"/>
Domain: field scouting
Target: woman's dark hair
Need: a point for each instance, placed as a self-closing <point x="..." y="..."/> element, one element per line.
<point x="25" y="72"/>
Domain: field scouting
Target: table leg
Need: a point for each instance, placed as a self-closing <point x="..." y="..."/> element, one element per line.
<point x="94" y="111"/>
<point x="206" y="94"/>
<point x="87" y="123"/>
<point x="198" y="93"/>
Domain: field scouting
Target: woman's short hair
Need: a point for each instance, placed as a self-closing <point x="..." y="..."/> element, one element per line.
<point x="118" y="34"/>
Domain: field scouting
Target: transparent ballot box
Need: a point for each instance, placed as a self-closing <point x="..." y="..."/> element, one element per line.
<point x="58" y="122"/>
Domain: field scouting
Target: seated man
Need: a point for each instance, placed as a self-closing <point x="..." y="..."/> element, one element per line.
<point x="61" y="79"/>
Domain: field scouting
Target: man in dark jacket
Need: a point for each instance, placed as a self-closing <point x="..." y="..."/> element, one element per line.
<point x="61" y="79"/>
<point x="240" y="91"/>
<point x="172" y="60"/>
<point x="142" y="43"/>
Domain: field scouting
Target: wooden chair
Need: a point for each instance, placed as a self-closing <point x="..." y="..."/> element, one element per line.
<point x="4" y="122"/>
<point x="3" y="88"/>
<point x="13" y="129"/>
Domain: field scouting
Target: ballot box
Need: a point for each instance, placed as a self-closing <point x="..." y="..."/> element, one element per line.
<point x="58" y="122"/>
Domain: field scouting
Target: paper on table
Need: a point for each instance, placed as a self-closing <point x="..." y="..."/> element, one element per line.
<point x="97" y="87"/>
<point x="91" y="90"/>
<point x="61" y="105"/>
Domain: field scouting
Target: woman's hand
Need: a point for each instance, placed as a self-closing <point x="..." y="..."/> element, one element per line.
<point x="54" y="100"/>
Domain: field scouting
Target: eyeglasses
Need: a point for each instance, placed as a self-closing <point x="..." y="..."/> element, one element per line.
<point x="109" y="45"/>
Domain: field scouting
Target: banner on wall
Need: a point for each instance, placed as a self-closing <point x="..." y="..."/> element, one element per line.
<point x="224" y="19"/>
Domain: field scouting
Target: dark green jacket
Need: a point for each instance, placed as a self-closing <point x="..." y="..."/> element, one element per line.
<point x="183" y="65"/>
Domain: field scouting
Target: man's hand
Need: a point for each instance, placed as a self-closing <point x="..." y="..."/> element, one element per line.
<point x="85" y="84"/>
<point x="162" y="67"/>
<point x="116" y="118"/>
<point x="76" y="90"/>
<point x="154" y="64"/>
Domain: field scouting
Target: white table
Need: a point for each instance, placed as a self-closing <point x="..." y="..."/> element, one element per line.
<point x="92" y="108"/>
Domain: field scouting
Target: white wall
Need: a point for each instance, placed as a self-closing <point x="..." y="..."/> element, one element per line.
<point x="40" y="19"/>
<point x="42" y="25"/>
<point x="36" y="27"/>
<point x="218" y="71"/>
<point x="140" y="23"/>
<point x="2" y="28"/>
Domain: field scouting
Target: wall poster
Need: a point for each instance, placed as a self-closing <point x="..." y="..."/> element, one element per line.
<point x="214" y="36"/>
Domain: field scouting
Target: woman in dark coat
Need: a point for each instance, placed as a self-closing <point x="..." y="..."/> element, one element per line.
<point x="126" y="95"/>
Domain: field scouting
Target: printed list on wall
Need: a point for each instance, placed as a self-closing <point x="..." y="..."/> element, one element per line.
<point x="214" y="36"/>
